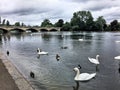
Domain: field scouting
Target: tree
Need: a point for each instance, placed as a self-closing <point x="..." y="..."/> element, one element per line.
<point x="100" y="23"/>
<point x="22" y="24"/>
<point x="114" y="25"/>
<point x="3" y="23"/>
<point x="17" y="24"/>
<point x="7" y="23"/>
<point x="46" y="23"/>
<point x="60" y="23"/>
<point x="83" y="19"/>
<point x="0" y="20"/>
<point x="66" y="27"/>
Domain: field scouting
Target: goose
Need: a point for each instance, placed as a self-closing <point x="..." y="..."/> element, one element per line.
<point x="40" y="52"/>
<point x="83" y="76"/>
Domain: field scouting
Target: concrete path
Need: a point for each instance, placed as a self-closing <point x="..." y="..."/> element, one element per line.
<point x="16" y="81"/>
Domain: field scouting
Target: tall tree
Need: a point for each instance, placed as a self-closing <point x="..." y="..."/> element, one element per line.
<point x="7" y="23"/>
<point x="66" y="27"/>
<point x="3" y="22"/>
<point x="22" y="24"/>
<point x="17" y="24"/>
<point x="60" y="23"/>
<point x="100" y="23"/>
<point x="114" y="25"/>
<point x="0" y="20"/>
<point x="46" y="23"/>
<point x="83" y="19"/>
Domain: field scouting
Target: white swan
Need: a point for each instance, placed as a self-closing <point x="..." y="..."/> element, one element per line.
<point x="41" y="52"/>
<point x="81" y="39"/>
<point x="117" y="41"/>
<point x="83" y="76"/>
<point x="93" y="60"/>
<point x="117" y="57"/>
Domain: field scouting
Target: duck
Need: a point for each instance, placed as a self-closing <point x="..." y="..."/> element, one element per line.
<point x="83" y="76"/>
<point x="64" y="47"/>
<point x="40" y="52"/>
<point x="8" y="53"/>
<point x="32" y="74"/>
<point x="57" y="57"/>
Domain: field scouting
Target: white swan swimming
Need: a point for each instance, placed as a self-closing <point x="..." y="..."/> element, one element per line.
<point x="117" y="57"/>
<point x="83" y="76"/>
<point x="93" y="60"/>
<point x="117" y="41"/>
<point x="81" y="39"/>
<point x="41" y="52"/>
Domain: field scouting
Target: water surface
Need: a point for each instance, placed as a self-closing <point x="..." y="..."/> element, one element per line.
<point x="51" y="74"/>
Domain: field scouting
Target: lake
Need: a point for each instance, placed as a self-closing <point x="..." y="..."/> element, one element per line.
<point x="51" y="74"/>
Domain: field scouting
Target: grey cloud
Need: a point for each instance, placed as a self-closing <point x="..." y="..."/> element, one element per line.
<point x="97" y="8"/>
<point x="37" y="10"/>
<point x="26" y="11"/>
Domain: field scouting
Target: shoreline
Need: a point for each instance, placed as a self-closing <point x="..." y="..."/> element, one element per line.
<point x="19" y="79"/>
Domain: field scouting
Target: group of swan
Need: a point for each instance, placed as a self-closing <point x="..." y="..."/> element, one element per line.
<point x="40" y="52"/>
<point x="86" y="76"/>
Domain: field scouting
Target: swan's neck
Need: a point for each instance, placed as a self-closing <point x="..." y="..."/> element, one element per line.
<point x="78" y="73"/>
<point x="39" y="50"/>
<point x="97" y="57"/>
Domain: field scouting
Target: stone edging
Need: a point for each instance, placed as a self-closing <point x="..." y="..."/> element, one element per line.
<point x="20" y="81"/>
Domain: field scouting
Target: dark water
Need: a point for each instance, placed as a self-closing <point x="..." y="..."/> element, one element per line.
<point x="51" y="74"/>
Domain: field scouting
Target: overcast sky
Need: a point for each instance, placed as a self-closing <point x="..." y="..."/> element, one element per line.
<point x="33" y="12"/>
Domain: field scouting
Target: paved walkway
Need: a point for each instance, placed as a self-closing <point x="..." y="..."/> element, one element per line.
<point x="10" y="77"/>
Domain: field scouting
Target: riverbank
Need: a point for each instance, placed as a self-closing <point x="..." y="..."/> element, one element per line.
<point x="10" y="77"/>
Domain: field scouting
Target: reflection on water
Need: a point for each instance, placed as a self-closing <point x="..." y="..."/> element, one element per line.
<point x="77" y="86"/>
<point x="51" y="74"/>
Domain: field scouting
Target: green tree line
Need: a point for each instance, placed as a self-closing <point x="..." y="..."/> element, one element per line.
<point x="84" y="21"/>
<point x="80" y="21"/>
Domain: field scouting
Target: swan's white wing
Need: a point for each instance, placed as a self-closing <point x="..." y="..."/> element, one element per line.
<point x="92" y="60"/>
<point x="117" y="57"/>
<point x="85" y="76"/>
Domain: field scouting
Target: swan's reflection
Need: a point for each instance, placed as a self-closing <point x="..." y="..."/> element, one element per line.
<point x="38" y="56"/>
<point x="77" y="86"/>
